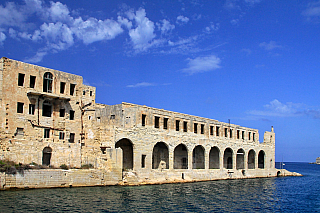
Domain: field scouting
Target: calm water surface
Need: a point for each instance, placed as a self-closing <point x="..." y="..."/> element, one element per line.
<point x="289" y="194"/>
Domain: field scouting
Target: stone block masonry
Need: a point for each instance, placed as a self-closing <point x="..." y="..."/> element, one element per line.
<point x="50" y="118"/>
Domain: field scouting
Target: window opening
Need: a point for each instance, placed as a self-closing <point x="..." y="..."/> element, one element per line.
<point x="112" y="117"/>
<point x="202" y="128"/>
<point x="71" y="140"/>
<point x="242" y="135"/>
<point x="20" y="107"/>
<point x="90" y="93"/>
<point x="32" y="108"/>
<point x="238" y="134"/>
<point x="143" y="161"/>
<point x="225" y="132"/>
<point x="71" y="115"/>
<point x="61" y="135"/>
<point x="98" y="119"/>
<point x="46" y="108"/>
<point x="19" y="132"/>
<point x="165" y="123"/>
<point x="62" y="113"/>
<point x="249" y="136"/>
<point x="211" y="130"/>
<point x="72" y="87"/>
<point x="32" y="81"/>
<point x="47" y="82"/>
<point x="217" y="131"/>
<point x="46" y="133"/>
<point x="62" y="87"/>
<point x="143" y="120"/>
<point x="177" y="125"/>
<point x="195" y="128"/>
<point x="156" y="121"/>
<point x="185" y="126"/>
<point x="20" y="79"/>
<point x="230" y="133"/>
<point x="254" y="137"/>
<point x="84" y="92"/>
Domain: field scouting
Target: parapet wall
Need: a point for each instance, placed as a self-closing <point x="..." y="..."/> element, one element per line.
<point x="51" y="178"/>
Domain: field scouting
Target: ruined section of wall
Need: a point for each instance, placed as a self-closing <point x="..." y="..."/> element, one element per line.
<point x="50" y="178"/>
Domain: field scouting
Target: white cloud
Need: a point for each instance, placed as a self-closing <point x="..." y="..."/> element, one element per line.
<point x="313" y="10"/>
<point x="143" y="34"/>
<point x="93" y="30"/>
<point x="202" y="64"/>
<point x="166" y="26"/>
<point x="10" y="15"/>
<point x="252" y="1"/>
<point x="270" y="46"/>
<point x="182" y="20"/>
<point x="38" y="57"/>
<point x="142" y="84"/>
<point x="2" y="37"/>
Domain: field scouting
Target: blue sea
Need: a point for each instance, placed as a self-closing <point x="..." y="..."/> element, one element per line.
<point x="283" y="194"/>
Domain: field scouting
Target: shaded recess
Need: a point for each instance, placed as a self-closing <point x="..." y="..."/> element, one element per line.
<point x="46" y="156"/>
<point x="251" y="159"/>
<point x="261" y="157"/>
<point x="198" y="157"/>
<point x="160" y="156"/>
<point x="227" y="158"/>
<point x="240" y="159"/>
<point x="214" y="158"/>
<point x="127" y="153"/>
<point x="180" y="157"/>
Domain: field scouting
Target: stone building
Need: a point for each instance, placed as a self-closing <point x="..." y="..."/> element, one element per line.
<point x="50" y="117"/>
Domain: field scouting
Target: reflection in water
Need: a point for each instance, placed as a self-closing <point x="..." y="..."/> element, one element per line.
<point x="292" y="194"/>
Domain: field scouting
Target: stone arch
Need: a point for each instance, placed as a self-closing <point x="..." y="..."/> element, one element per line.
<point x="214" y="158"/>
<point x="228" y="158"/>
<point x="261" y="157"/>
<point x="180" y="157"/>
<point x="240" y="159"/>
<point x="198" y="159"/>
<point x="47" y="82"/>
<point x="251" y="159"/>
<point x="46" y="156"/>
<point x="160" y="156"/>
<point x="127" y="153"/>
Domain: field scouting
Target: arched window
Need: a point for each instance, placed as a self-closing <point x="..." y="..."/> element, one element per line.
<point x="198" y="157"/>
<point x="227" y="158"/>
<point x="214" y="158"/>
<point x="261" y="157"/>
<point x="251" y="159"/>
<point x="180" y="157"/>
<point x="46" y="108"/>
<point x="47" y="82"/>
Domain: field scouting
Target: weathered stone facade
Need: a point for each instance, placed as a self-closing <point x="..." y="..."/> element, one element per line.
<point x="50" y="117"/>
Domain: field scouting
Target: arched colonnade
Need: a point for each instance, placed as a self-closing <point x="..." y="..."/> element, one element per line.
<point x="217" y="158"/>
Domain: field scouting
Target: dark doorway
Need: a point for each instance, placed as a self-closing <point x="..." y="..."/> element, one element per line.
<point x="127" y="153"/>
<point x="46" y="156"/>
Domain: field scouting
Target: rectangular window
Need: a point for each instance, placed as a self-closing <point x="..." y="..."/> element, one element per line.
<point x="195" y="128"/>
<point x="217" y="131"/>
<point x="32" y="81"/>
<point x="90" y="93"/>
<point x="32" y="108"/>
<point x="72" y="88"/>
<point x="238" y="134"/>
<point x="61" y="135"/>
<point x="242" y="135"/>
<point x="19" y="131"/>
<point x="20" y="107"/>
<point x="177" y="125"/>
<point x="143" y="122"/>
<point x="185" y="126"/>
<point x="112" y="117"/>
<point x="143" y="161"/>
<point x="62" y="113"/>
<point x="202" y="128"/>
<point x="46" y="133"/>
<point x="225" y="132"/>
<point x="62" y="87"/>
<point x="84" y="92"/>
<point x="71" y="140"/>
<point x="165" y="123"/>
<point x="71" y="115"/>
<point x="211" y="130"/>
<point x="156" y="121"/>
<point x="20" y="79"/>
<point x="230" y="133"/>
<point x="249" y="136"/>
<point x="254" y="137"/>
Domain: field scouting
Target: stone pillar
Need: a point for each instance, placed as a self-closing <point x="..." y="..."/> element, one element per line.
<point x="190" y="159"/>
<point x="234" y="160"/>
<point x="206" y="158"/>
<point x="171" y="159"/>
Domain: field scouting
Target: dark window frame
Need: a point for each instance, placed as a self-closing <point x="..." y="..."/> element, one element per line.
<point x="20" y="107"/>
<point x="21" y="79"/>
<point x="32" y="83"/>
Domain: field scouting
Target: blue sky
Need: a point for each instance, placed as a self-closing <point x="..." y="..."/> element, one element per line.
<point x="255" y="62"/>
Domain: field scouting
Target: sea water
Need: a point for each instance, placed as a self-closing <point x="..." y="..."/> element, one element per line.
<point x="283" y="194"/>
